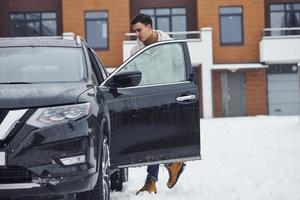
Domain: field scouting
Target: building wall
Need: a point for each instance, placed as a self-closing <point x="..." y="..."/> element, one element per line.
<point x="118" y="24"/>
<point x="190" y="5"/>
<point x="4" y="8"/>
<point x="248" y="52"/>
<point x="253" y="19"/>
<point x="255" y="92"/>
<point x="217" y="93"/>
<point x="9" y="6"/>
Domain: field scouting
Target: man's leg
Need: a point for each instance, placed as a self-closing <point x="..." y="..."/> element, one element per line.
<point x="174" y="169"/>
<point x="152" y="171"/>
<point x="152" y="177"/>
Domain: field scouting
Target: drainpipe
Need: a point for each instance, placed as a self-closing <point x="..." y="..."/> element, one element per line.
<point x="206" y="37"/>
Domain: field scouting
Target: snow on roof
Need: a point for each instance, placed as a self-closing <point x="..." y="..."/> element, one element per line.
<point x="238" y="66"/>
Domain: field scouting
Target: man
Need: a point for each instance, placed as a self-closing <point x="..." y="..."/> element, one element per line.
<point x="142" y="26"/>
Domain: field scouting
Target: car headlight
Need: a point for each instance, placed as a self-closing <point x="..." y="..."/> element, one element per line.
<point x="55" y="115"/>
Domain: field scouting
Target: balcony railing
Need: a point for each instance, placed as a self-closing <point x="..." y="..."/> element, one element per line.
<point x="175" y="35"/>
<point x="274" y="32"/>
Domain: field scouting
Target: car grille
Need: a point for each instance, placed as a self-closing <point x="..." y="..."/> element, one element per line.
<point x="15" y="175"/>
<point x="16" y="126"/>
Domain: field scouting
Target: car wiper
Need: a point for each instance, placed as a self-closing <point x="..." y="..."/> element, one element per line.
<point x="17" y="82"/>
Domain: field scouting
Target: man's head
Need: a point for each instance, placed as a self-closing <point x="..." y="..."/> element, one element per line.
<point x="142" y="26"/>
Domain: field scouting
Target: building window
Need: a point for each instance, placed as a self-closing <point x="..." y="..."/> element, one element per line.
<point x="33" y="24"/>
<point x="284" y="16"/>
<point x="96" y="26"/>
<point x="231" y="25"/>
<point x="168" y="19"/>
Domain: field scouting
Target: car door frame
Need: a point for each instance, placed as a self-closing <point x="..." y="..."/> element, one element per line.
<point x="189" y="72"/>
<point x="190" y="78"/>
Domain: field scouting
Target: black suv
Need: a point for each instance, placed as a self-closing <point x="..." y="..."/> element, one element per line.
<point x="66" y="124"/>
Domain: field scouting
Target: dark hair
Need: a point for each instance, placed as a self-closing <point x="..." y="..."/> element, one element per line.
<point x="144" y="19"/>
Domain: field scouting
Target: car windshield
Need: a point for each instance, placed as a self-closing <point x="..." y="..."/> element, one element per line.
<point x="40" y="64"/>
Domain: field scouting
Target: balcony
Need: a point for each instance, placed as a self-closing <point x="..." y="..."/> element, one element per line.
<point x="280" y="45"/>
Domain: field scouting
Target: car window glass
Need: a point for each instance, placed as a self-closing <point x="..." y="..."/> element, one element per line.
<point x="96" y="75"/>
<point x="101" y="67"/>
<point x="41" y="64"/>
<point x="160" y="64"/>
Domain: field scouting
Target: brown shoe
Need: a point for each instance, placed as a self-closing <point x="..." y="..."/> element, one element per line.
<point x="149" y="186"/>
<point x="174" y="169"/>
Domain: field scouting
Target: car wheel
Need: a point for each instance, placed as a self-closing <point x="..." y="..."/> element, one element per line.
<point x="118" y="178"/>
<point x="101" y="190"/>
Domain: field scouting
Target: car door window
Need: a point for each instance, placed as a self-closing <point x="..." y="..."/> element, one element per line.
<point x="101" y="66"/>
<point x="96" y="75"/>
<point x="160" y="64"/>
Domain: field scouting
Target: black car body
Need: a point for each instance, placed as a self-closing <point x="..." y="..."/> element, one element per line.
<point x="65" y="123"/>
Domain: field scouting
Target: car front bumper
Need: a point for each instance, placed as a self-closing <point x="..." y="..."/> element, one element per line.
<point x="50" y="161"/>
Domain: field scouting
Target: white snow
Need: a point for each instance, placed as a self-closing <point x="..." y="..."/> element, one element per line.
<point x="247" y="158"/>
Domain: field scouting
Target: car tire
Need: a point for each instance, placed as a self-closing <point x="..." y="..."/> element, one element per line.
<point x="101" y="190"/>
<point x="118" y="178"/>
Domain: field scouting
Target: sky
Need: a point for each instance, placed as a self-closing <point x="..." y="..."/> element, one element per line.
<point x="243" y="158"/>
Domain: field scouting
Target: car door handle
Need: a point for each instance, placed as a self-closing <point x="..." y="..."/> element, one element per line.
<point x="186" y="98"/>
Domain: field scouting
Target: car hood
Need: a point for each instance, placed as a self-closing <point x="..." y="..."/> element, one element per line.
<point x="16" y="96"/>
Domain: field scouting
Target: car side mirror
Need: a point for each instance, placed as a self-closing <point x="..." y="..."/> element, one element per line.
<point x="126" y="79"/>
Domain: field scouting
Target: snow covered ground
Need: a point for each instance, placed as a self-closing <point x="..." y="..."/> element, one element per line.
<point x="247" y="158"/>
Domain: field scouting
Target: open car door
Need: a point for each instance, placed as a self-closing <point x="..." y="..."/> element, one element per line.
<point x="154" y="107"/>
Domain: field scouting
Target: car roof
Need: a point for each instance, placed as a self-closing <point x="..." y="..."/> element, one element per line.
<point x="58" y="41"/>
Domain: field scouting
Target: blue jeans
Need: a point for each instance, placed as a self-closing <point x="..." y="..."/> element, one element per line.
<point x="153" y="172"/>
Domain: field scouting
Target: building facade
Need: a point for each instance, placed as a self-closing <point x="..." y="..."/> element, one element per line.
<point x="30" y="18"/>
<point x="245" y="51"/>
